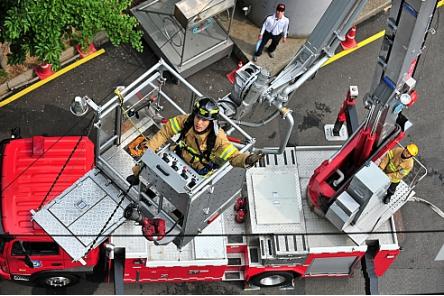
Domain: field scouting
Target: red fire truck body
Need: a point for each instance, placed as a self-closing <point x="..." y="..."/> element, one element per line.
<point x="230" y="252"/>
<point x="78" y="192"/>
<point x="29" y="167"/>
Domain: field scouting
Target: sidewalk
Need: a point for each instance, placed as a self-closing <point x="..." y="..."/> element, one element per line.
<point x="244" y="34"/>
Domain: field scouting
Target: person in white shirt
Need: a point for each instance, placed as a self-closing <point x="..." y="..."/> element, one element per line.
<point x="275" y="27"/>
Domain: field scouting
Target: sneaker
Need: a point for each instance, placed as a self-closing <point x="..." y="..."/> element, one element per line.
<point x="271" y="54"/>
<point x="254" y="58"/>
<point x="386" y="199"/>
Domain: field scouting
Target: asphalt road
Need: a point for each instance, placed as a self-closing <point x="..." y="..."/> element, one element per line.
<point x="45" y="111"/>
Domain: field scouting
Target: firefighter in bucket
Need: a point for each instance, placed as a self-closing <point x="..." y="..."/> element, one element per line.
<point x="202" y="144"/>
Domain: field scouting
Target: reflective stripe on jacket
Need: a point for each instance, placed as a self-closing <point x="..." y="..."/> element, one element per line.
<point x="395" y="166"/>
<point x="223" y="149"/>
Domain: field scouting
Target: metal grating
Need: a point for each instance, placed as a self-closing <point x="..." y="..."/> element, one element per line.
<point x="67" y="210"/>
<point x="288" y="157"/>
<point x="307" y="159"/>
<point x="230" y="225"/>
<point x="75" y="217"/>
<point x="119" y="160"/>
<point x="367" y="222"/>
<point x="129" y="236"/>
<point x="211" y="244"/>
<point x="289" y="244"/>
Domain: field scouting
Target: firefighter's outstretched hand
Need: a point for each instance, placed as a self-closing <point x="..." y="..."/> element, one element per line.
<point x="253" y="158"/>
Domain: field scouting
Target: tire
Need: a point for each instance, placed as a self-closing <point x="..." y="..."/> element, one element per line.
<point x="57" y="280"/>
<point x="272" y="279"/>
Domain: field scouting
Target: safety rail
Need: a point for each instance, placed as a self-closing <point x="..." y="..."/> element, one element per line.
<point x="136" y="111"/>
<point x="418" y="172"/>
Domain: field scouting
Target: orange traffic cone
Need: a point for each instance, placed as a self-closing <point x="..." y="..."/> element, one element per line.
<point x="350" y="41"/>
<point x="43" y="71"/>
<point x="232" y="74"/>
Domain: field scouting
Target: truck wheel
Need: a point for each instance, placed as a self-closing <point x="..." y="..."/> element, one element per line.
<point x="57" y="280"/>
<point x="272" y="279"/>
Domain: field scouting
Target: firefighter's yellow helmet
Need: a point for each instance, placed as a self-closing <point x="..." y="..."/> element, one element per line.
<point x="412" y="149"/>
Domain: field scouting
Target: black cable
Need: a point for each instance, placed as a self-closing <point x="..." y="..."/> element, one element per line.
<point x="68" y="131"/>
<point x="174" y="225"/>
<point x="252" y="235"/>
<point x="87" y="131"/>
<point x="60" y="172"/>
<point x="109" y="219"/>
<point x="43" y="154"/>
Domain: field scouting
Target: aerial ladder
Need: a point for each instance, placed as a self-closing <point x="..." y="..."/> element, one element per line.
<point x="392" y="90"/>
<point x="186" y="202"/>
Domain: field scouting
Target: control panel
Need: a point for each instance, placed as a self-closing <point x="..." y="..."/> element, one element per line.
<point x="170" y="168"/>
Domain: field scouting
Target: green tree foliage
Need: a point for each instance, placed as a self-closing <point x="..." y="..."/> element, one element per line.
<point x="38" y="27"/>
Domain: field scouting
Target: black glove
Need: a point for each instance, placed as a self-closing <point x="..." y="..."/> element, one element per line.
<point x="253" y="158"/>
<point x="133" y="180"/>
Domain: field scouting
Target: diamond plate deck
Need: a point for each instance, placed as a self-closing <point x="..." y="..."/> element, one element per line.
<point x="129" y="236"/>
<point x="67" y="209"/>
<point x="307" y="159"/>
<point x="210" y="245"/>
<point x="75" y="217"/>
<point x="275" y="205"/>
<point x="366" y="223"/>
<point x="230" y="225"/>
<point x="120" y="160"/>
<point x="274" y="200"/>
<point x="88" y="226"/>
<point x="168" y="252"/>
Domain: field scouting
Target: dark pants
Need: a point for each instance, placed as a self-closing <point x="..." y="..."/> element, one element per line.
<point x="390" y="191"/>
<point x="274" y="42"/>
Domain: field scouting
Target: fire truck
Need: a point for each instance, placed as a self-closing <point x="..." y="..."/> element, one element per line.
<point x="67" y="209"/>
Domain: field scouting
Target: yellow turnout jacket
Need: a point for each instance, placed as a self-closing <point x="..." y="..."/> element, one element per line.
<point x="223" y="149"/>
<point x="395" y="166"/>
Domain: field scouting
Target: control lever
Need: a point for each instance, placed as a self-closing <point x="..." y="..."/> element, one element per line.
<point x="132" y="112"/>
<point x="192" y="183"/>
<point x="174" y="165"/>
<point x="184" y="173"/>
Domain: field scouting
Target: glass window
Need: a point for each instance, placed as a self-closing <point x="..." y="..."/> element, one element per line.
<point x="35" y="248"/>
